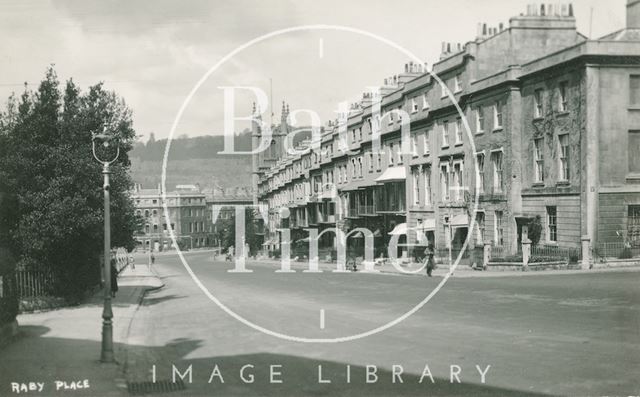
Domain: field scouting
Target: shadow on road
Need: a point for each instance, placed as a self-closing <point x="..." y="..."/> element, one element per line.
<point x="299" y="375"/>
<point x="150" y="299"/>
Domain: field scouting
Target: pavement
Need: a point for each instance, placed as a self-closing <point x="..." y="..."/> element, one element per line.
<point x="417" y="269"/>
<point x="64" y="345"/>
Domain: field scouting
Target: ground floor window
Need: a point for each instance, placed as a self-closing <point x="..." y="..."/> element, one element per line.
<point x="633" y="225"/>
<point x="480" y="228"/>
<point x="552" y="224"/>
<point x="499" y="228"/>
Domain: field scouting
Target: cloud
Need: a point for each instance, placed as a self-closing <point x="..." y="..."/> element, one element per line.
<point x="153" y="51"/>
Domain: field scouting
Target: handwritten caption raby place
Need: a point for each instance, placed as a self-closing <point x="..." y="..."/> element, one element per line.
<point x="39" y="387"/>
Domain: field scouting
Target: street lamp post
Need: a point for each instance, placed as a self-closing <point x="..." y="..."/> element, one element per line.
<point x="106" y="355"/>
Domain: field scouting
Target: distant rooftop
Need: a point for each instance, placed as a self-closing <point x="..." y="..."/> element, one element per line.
<point x="239" y="193"/>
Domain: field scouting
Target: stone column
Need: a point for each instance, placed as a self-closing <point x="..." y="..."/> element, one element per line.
<point x="586" y="252"/>
<point x="526" y="253"/>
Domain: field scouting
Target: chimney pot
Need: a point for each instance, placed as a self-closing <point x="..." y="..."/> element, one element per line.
<point x="633" y="14"/>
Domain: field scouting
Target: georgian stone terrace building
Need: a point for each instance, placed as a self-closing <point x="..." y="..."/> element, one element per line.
<point x="548" y="124"/>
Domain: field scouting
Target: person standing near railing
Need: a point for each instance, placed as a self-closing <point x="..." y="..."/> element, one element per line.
<point x="114" y="278"/>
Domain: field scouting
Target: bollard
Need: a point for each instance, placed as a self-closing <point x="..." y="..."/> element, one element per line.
<point x="526" y="254"/>
<point x="486" y="254"/>
<point x="586" y="252"/>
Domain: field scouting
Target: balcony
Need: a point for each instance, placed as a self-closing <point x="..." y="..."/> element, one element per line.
<point x="391" y="207"/>
<point x="298" y="223"/>
<point x="328" y="219"/>
<point x="391" y="198"/>
<point x="367" y="209"/>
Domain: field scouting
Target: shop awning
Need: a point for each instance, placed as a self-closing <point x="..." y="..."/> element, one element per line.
<point x="393" y="174"/>
<point x="461" y="220"/>
<point x="401" y="228"/>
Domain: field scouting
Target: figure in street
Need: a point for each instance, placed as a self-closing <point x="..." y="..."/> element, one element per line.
<point x="114" y="278"/>
<point x="428" y="257"/>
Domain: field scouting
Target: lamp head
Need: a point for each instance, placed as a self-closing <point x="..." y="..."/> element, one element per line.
<point x="104" y="138"/>
<point x="107" y="140"/>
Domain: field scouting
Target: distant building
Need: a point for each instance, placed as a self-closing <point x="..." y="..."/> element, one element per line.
<point x="554" y="121"/>
<point x="221" y="204"/>
<point x="187" y="217"/>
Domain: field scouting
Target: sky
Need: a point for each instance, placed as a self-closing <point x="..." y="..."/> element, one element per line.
<point x="153" y="52"/>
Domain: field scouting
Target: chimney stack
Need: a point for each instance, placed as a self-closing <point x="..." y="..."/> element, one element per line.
<point x="633" y="14"/>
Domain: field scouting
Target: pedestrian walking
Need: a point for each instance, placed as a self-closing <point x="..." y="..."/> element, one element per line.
<point x="114" y="278"/>
<point x="428" y="257"/>
<point x="132" y="261"/>
<point x="229" y="254"/>
<point x="153" y="259"/>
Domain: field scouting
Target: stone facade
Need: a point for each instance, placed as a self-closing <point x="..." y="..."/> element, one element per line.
<point x="551" y="117"/>
<point x="187" y="217"/>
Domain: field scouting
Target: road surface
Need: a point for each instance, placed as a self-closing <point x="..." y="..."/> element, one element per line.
<point x="572" y="334"/>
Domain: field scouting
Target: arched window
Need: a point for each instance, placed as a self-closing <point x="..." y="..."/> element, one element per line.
<point x="272" y="149"/>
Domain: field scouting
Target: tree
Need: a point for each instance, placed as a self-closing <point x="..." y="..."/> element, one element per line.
<point x="226" y="231"/>
<point x="535" y="230"/>
<point x="48" y="165"/>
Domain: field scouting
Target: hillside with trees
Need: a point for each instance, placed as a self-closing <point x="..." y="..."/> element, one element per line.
<point x="194" y="160"/>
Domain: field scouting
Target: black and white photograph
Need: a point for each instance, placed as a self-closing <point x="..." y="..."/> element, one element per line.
<point x="319" y="198"/>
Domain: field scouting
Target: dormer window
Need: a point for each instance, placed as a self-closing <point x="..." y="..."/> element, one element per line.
<point x="458" y="83"/>
<point x="445" y="133"/>
<point x="563" y="102"/>
<point x="497" y="115"/>
<point x="538" y="105"/>
<point x="425" y="102"/>
<point x="458" y="131"/>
